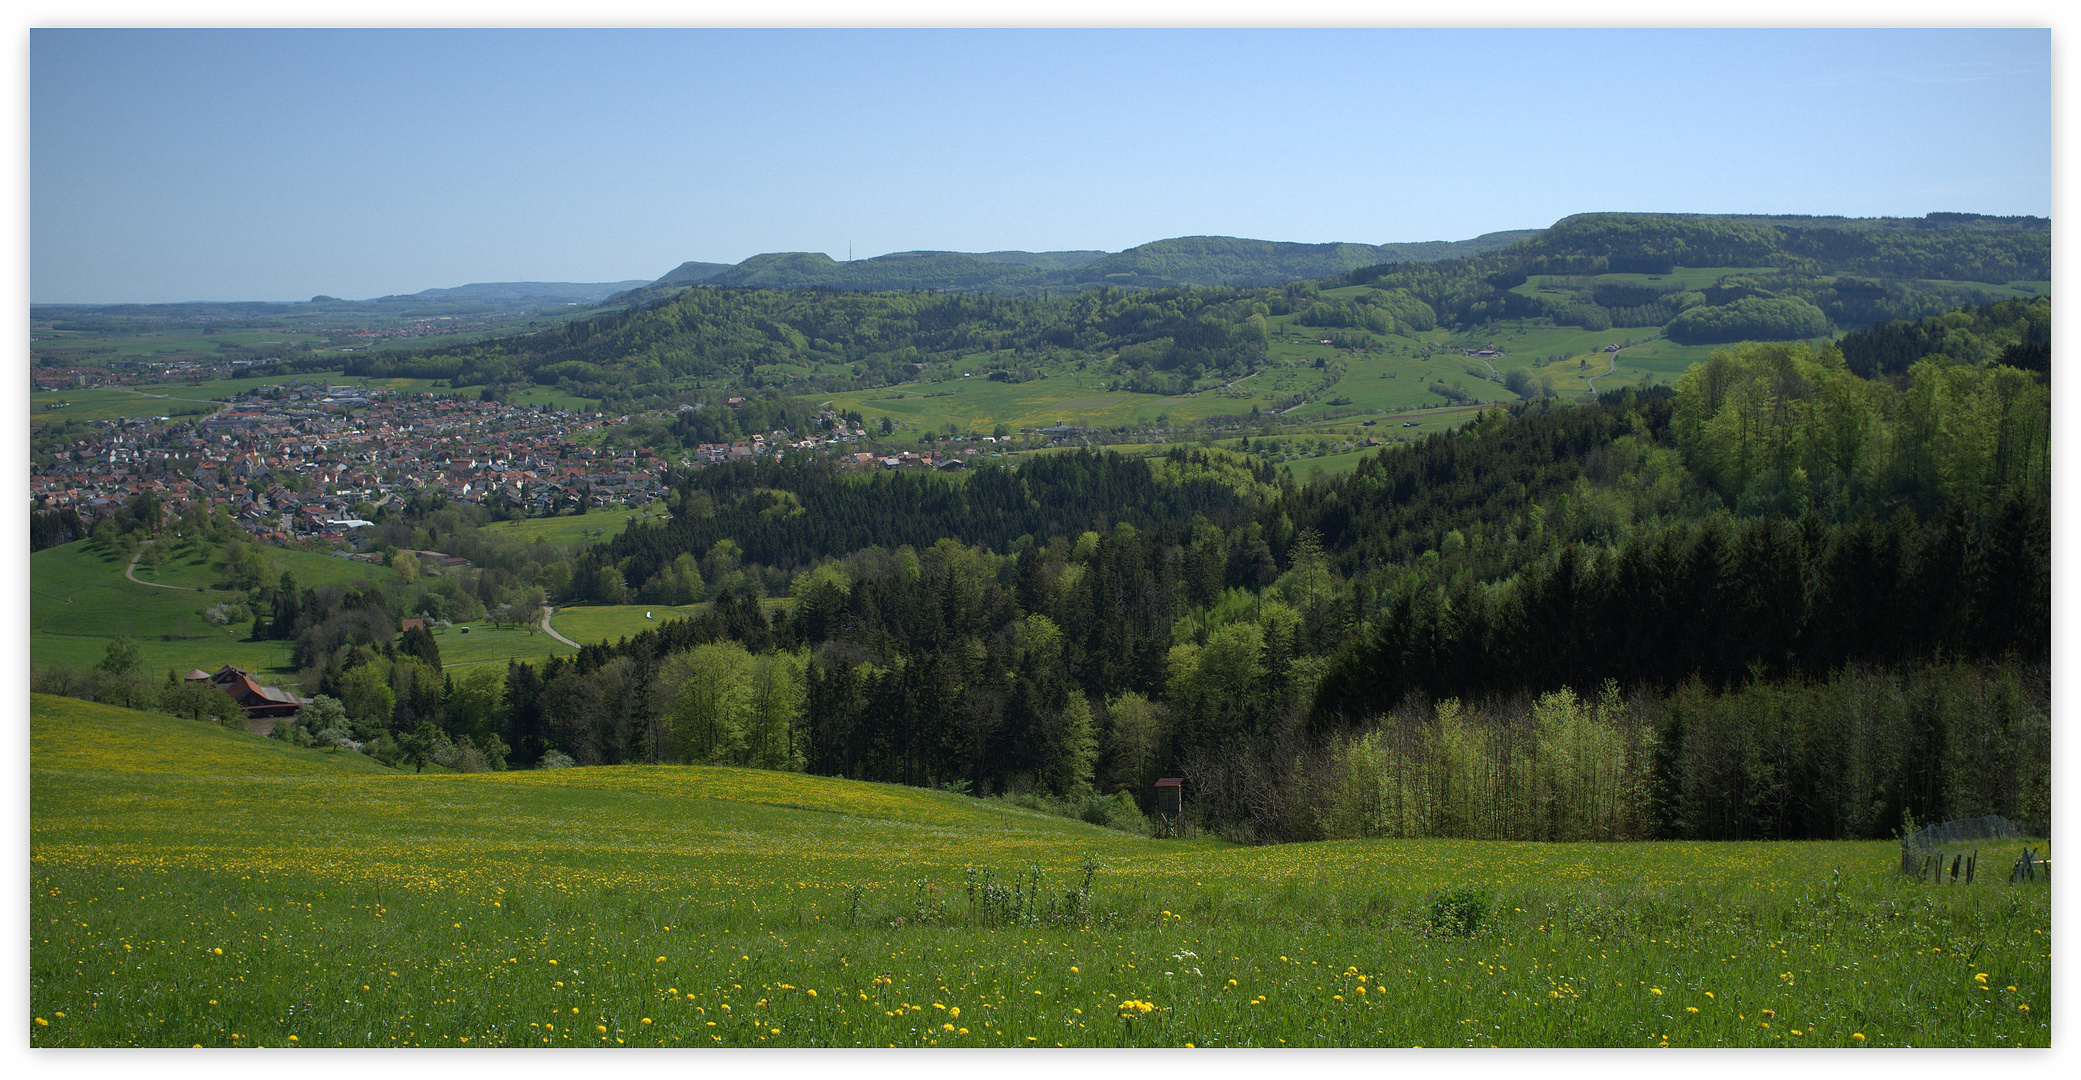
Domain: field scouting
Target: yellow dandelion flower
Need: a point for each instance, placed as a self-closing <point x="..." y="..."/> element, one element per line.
<point x="1857" y="1036"/>
<point x="601" y="1028"/>
<point x="646" y="1019"/>
<point x="1690" y="1008"/>
<point x="41" y="1022"/>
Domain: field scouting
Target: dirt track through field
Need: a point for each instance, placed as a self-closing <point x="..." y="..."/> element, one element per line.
<point x="131" y="573"/>
<point x="551" y="631"/>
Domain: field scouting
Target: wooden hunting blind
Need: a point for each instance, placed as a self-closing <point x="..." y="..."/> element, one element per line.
<point x="1170" y="791"/>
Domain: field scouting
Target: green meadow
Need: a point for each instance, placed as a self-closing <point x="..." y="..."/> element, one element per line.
<point x="79" y="601"/>
<point x="488" y="644"/>
<point x="186" y="889"/>
<point x="583" y="530"/>
<point x="555" y="399"/>
<point x="590" y="624"/>
<point x="112" y="403"/>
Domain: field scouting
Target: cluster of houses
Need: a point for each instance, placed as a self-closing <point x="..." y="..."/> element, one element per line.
<point x="301" y="462"/>
<point x="309" y="460"/>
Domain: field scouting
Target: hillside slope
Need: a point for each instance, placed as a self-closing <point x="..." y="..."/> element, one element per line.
<point x="1182" y="261"/>
<point x="257" y="899"/>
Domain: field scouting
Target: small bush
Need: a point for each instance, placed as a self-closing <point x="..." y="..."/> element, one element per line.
<point x="1461" y="909"/>
<point x="1115" y="811"/>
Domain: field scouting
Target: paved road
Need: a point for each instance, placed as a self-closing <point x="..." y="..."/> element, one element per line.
<point x="547" y="629"/>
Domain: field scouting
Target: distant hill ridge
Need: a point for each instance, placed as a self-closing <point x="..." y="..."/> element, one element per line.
<point x="1180" y="261"/>
<point x="583" y="292"/>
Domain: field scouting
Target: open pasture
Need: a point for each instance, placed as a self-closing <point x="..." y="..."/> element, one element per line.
<point x="79" y="601"/>
<point x="585" y="530"/>
<point x="190" y="885"/>
<point x="116" y="403"/>
<point x="488" y="644"/>
<point x="591" y="624"/>
<point x="556" y="399"/>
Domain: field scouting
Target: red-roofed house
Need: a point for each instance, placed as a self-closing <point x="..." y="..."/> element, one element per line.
<point x="263" y="704"/>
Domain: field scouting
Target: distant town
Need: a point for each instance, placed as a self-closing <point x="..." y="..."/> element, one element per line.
<point x="311" y="461"/>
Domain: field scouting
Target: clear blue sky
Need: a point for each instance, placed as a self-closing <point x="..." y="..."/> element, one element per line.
<point x="279" y="164"/>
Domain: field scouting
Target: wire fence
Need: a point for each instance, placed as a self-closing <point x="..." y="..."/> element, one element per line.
<point x="1922" y="854"/>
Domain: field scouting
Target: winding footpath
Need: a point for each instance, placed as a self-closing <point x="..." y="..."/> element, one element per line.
<point x="1591" y="380"/>
<point x="547" y="629"/>
<point x="131" y="573"/>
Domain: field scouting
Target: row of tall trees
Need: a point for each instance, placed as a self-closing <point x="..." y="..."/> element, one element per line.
<point x="1843" y="756"/>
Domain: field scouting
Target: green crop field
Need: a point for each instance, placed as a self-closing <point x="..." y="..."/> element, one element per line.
<point x="114" y="403"/>
<point x="183" y="892"/>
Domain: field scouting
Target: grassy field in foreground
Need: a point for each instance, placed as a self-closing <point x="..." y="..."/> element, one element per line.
<point x="187" y="889"/>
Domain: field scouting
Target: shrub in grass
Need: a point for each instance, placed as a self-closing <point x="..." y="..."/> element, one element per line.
<point x="1461" y="909"/>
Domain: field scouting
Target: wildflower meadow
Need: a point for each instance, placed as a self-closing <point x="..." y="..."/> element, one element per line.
<point x="196" y="886"/>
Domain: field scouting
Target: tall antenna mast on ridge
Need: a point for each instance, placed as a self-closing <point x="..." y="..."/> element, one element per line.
<point x="849" y="251"/>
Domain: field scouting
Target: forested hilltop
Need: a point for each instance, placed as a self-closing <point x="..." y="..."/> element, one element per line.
<point x="1175" y="263"/>
<point x="1690" y="279"/>
<point x="1779" y="599"/>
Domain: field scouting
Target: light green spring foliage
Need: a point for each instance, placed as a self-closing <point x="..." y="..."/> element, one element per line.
<point x="190" y="885"/>
<point x="724" y="705"/>
<point x="1772" y="425"/>
<point x="1584" y="773"/>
